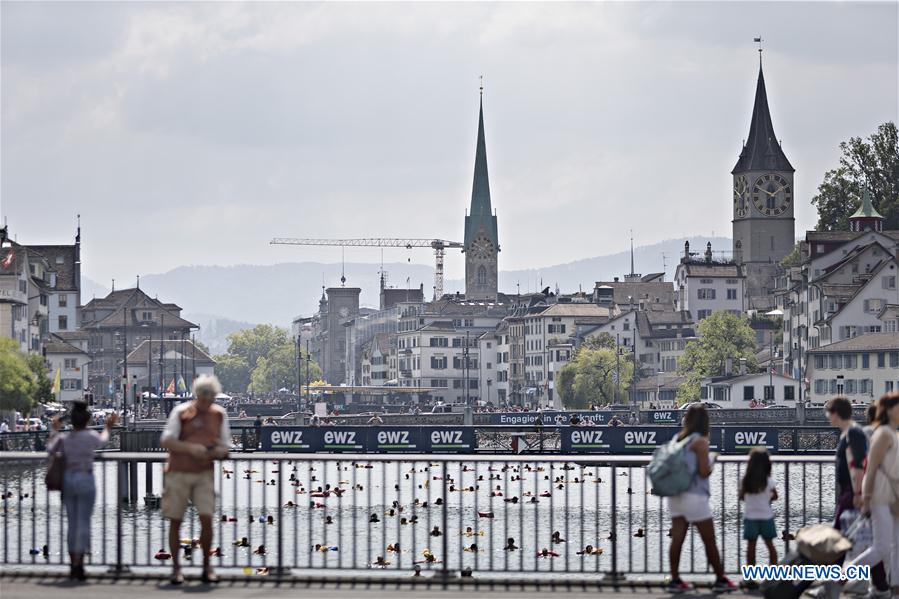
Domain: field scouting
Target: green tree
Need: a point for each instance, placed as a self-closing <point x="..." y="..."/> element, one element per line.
<point x="18" y="385"/>
<point x="233" y="372"/>
<point x="278" y="370"/>
<point x="261" y="340"/>
<point x="721" y="336"/>
<point x="44" y="391"/>
<point x="603" y="340"/>
<point x="591" y="378"/>
<point x="794" y="258"/>
<point x="873" y="163"/>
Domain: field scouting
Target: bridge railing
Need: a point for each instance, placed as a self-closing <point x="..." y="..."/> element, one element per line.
<point x="277" y="514"/>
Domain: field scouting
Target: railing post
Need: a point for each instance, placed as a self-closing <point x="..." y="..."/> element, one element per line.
<point x="786" y="507"/>
<point x="445" y="573"/>
<point x="121" y="491"/>
<point x="282" y="571"/>
<point x="614" y="575"/>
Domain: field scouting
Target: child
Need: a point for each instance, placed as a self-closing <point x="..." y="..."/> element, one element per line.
<point x="757" y="491"/>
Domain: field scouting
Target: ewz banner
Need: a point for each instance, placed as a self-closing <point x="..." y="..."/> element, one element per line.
<point x="369" y="439"/>
<point x="623" y="440"/>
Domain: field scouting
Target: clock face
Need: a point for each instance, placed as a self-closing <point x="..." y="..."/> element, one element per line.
<point x="772" y="194"/>
<point x="741" y="196"/>
<point x="481" y="248"/>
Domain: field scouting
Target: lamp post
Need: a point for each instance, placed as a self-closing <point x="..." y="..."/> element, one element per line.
<point x="125" y="365"/>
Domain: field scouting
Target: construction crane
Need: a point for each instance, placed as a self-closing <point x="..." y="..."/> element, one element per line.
<point x="438" y="245"/>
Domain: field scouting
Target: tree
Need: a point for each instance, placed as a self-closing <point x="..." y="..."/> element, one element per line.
<point x="233" y="372"/>
<point x="721" y="336"/>
<point x="44" y="390"/>
<point x="873" y="163"/>
<point x="252" y="344"/>
<point x="278" y="370"/>
<point x="794" y="258"/>
<point x="603" y="340"/>
<point x="591" y="378"/>
<point x="18" y="385"/>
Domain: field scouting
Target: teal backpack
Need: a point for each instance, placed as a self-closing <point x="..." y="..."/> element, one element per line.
<point x="668" y="470"/>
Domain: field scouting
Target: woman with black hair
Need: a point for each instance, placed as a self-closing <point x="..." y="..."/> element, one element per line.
<point x="78" y="489"/>
<point x="692" y="506"/>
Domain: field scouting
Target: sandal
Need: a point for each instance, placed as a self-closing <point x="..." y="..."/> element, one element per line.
<point x="177" y="578"/>
<point x="209" y="577"/>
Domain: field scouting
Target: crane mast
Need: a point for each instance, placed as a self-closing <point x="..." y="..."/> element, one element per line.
<point x="438" y="245"/>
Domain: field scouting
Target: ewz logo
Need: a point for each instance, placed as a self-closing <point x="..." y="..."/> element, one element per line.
<point x="587" y="439"/>
<point x="640" y="439"/>
<point x="292" y="437"/>
<point x="663" y="416"/>
<point x="447" y="439"/>
<point x="745" y="439"/>
<point x="393" y="438"/>
<point x="342" y="438"/>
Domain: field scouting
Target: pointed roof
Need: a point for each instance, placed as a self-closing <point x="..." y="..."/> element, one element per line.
<point x="481" y="212"/>
<point x="762" y="150"/>
<point x="866" y="210"/>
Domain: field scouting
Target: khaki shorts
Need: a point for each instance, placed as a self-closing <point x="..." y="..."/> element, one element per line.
<point x="179" y="487"/>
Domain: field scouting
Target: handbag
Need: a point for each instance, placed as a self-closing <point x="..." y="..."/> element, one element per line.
<point x="56" y="468"/>
<point x="861" y="533"/>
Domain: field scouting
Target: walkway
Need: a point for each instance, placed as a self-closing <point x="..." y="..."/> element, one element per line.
<point x="31" y="587"/>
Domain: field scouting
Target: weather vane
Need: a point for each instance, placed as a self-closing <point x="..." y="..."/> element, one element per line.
<point x="482" y="85"/>
<point x="759" y="41"/>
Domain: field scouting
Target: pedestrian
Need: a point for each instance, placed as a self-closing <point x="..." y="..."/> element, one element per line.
<point x="880" y="496"/>
<point x="692" y="506"/>
<point x="375" y="420"/>
<point x="78" y="489"/>
<point x="632" y="421"/>
<point x="852" y="449"/>
<point x="196" y="433"/>
<point x="757" y="491"/>
<point x="4" y="426"/>
<point x="615" y="421"/>
<point x="257" y="427"/>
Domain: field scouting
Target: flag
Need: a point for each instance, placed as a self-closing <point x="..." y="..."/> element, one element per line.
<point x="182" y="387"/>
<point x="171" y="387"/>
<point x="758" y="40"/>
<point x="57" y="383"/>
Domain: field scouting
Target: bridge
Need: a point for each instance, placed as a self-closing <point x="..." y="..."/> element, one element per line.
<point x="325" y="519"/>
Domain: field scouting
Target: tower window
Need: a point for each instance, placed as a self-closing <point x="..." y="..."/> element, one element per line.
<point x="482" y="276"/>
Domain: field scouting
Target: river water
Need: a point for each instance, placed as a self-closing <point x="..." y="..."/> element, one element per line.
<point x="576" y="502"/>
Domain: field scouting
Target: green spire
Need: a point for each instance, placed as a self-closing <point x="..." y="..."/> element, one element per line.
<point x="866" y="210"/>
<point x="480" y="215"/>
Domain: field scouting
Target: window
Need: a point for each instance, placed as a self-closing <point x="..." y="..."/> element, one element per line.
<point x="881" y="359"/>
<point x="789" y="392"/>
<point x="873" y="305"/>
<point x="748" y="392"/>
<point x="438" y="342"/>
<point x="850" y="387"/>
<point x="457" y="342"/>
<point x="866" y="360"/>
<point x="63" y="323"/>
<point x="887" y="386"/>
<point x="705" y="293"/>
<point x="835" y="360"/>
<point x="438" y="362"/>
<point x="706" y="281"/>
<point x="482" y="276"/>
<point x="627" y="325"/>
<point x="63" y="299"/>
<point x="894" y="359"/>
<point x="731" y="294"/>
<point x="70" y="363"/>
<point x="850" y="361"/>
<point x="820" y="363"/>
<point x="700" y="314"/>
<point x="769" y="392"/>
<point x="731" y="281"/>
<point x="889" y="282"/>
<point x="70" y="384"/>
<point x="439" y="383"/>
<point x="820" y="386"/>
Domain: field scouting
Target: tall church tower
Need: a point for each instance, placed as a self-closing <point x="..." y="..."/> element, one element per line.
<point x="763" y="223"/>
<point x="481" y="244"/>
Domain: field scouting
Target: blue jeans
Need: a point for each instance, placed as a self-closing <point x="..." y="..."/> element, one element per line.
<point x="78" y="494"/>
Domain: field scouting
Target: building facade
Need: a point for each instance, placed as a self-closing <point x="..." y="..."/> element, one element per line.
<point x="862" y="368"/>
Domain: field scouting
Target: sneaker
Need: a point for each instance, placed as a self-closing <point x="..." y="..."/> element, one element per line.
<point x="676" y="587"/>
<point x="724" y="585"/>
<point x="875" y="594"/>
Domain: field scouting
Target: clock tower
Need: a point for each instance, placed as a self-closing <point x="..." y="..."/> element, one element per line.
<point x="481" y="244"/>
<point x="763" y="199"/>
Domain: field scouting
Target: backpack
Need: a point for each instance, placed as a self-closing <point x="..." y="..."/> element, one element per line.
<point x="668" y="470"/>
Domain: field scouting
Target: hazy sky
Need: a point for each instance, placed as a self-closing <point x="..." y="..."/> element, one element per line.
<point x="193" y="133"/>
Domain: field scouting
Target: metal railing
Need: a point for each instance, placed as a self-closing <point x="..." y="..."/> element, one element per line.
<point x="314" y="513"/>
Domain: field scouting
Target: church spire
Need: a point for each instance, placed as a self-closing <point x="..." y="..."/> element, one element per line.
<point x="480" y="214"/>
<point x="762" y="151"/>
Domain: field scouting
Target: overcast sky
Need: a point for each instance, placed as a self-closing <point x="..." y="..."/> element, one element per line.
<point x="193" y="133"/>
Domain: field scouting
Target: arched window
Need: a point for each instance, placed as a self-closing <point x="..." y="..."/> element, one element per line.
<point x="482" y="276"/>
